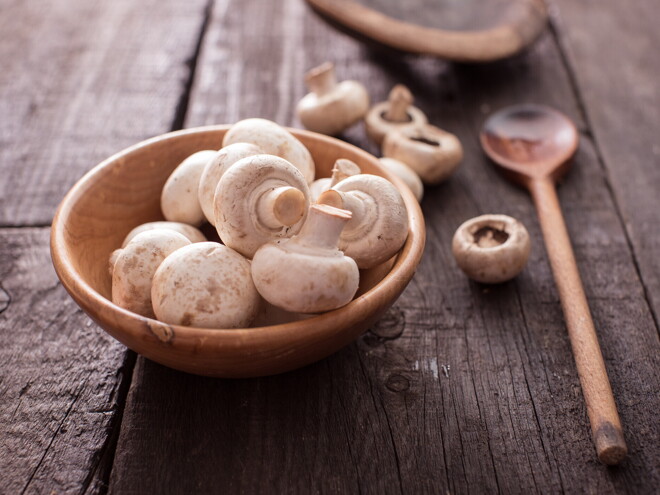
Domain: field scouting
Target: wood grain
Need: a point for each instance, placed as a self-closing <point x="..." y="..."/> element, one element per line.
<point x="461" y="388"/>
<point x="79" y="81"/>
<point x="623" y="111"/>
<point x="62" y="381"/>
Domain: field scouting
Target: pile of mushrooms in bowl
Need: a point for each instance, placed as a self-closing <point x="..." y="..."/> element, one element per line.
<point x="266" y="218"/>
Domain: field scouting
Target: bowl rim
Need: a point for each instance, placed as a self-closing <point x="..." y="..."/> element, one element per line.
<point x="395" y="280"/>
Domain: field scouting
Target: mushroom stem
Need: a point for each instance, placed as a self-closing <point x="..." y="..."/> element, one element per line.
<point x="361" y="205"/>
<point x="321" y="80"/>
<point x="343" y="168"/>
<point x="280" y="206"/>
<point x="323" y="226"/>
<point x="400" y="99"/>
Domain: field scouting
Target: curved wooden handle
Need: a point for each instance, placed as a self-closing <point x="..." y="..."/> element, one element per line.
<point x="605" y="424"/>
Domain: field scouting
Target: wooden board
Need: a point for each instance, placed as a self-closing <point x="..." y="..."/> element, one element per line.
<point x="63" y="382"/>
<point x="461" y="388"/>
<point x="623" y="110"/>
<point x="80" y="81"/>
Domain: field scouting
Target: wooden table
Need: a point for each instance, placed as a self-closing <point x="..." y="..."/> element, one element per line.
<point x="461" y="388"/>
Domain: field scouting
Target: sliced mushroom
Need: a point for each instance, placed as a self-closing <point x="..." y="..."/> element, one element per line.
<point x="379" y="226"/>
<point x="491" y="248"/>
<point x="331" y="107"/>
<point x="397" y="112"/>
<point x="214" y="170"/>
<point x="431" y="152"/>
<point x="136" y="264"/>
<point x="275" y="140"/>
<point x="259" y="199"/>
<point x="406" y="174"/>
<point x="205" y="285"/>
<point x="343" y="168"/>
<point x="179" y="200"/>
<point x="307" y="273"/>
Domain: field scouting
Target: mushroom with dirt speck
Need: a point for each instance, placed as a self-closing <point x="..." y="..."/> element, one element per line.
<point x="331" y="107"/>
<point x="307" y="273"/>
<point x="214" y="170"/>
<point x="397" y="112"/>
<point x="205" y="285"/>
<point x="179" y="199"/>
<point x="431" y="152"/>
<point x="258" y="199"/>
<point x="491" y="248"/>
<point x="275" y="140"/>
<point x="135" y="265"/>
<point x="379" y="224"/>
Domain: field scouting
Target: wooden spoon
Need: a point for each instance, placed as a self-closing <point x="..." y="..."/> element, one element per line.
<point x="532" y="144"/>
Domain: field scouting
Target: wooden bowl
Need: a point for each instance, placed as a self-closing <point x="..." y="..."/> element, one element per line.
<point x="124" y="191"/>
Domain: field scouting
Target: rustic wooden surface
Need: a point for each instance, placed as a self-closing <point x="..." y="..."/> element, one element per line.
<point x="461" y="388"/>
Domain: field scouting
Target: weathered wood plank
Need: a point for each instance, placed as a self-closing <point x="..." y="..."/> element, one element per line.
<point x="610" y="52"/>
<point x="62" y="381"/>
<point x="81" y="80"/>
<point x="461" y="388"/>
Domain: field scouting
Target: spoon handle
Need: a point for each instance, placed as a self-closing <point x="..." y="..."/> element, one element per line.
<point x="605" y="424"/>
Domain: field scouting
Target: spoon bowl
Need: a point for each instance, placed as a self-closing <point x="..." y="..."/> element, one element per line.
<point x="530" y="142"/>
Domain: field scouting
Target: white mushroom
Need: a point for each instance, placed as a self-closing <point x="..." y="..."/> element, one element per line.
<point x="193" y="234"/>
<point x="406" y="174"/>
<point x="331" y="107"/>
<point x="179" y="199"/>
<point x="379" y="226"/>
<point x="397" y="112"/>
<point x="136" y="264"/>
<point x="491" y="248"/>
<point x="258" y="199"/>
<point x="342" y="169"/>
<point x="307" y="273"/>
<point x="431" y="152"/>
<point x="214" y="170"/>
<point x="275" y="140"/>
<point x="205" y="285"/>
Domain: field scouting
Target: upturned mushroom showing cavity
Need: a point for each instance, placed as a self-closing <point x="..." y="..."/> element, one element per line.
<point x="307" y="273"/>
<point x="135" y="265"/>
<point x="342" y="169"/>
<point x="397" y="112"/>
<point x="431" y="152"/>
<point x="379" y="226"/>
<point x="205" y="285"/>
<point x="275" y="140"/>
<point x="215" y="169"/>
<point x="406" y="174"/>
<point x="331" y="107"/>
<point x="259" y="199"/>
<point x="179" y="200"/>
<point x="491" y="248"/>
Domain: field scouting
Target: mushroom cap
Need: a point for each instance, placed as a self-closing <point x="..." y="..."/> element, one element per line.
<point x="193" y="234"/>
<point x="205" y="285"/>
<point x="431" y="152"/>
<point x="377" y="126"/>
<point x="275" y="140"/>
<point x="335" y="111"/>
<point x="317" y="276"/>
<point x="406" y="174"/>
<point x="342" y="169"/>
<point x="491" y="248"/>
<point x="238" y="220"/>
<point x="136" y="264"/>
<point x="377" y="235"/>
<point x="179" y="200"/>
<point x="214" y="170"/>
